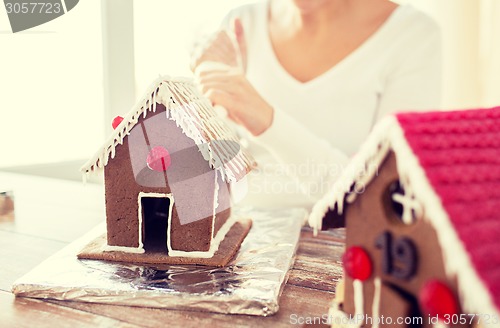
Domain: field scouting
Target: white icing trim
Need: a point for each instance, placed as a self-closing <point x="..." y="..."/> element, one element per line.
<point x="221" y="234"/>
<point x="100" y="158"/>
<point x="376" y="302"/>
<point x="410" y="206"/>
<point x="340" y="319"/>
<point x="359" y="303"/>
<point x="140" y="249"/>
<point x="360" y="171"/>
<point x="124" y="249"/>
<point x="139" y="214"/>
<point x="215" y="203"/>
<point x="214" y="246"/>
<point x="388" y="134"/>
<point x="215" y="242"/>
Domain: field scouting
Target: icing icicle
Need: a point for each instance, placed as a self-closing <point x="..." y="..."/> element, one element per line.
<point x="215" y="203"/>
<point x="359" y="304"/>
<point x="376" y="302"/>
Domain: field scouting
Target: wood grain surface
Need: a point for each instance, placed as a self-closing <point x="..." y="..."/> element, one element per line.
<point x="51" y="213"/>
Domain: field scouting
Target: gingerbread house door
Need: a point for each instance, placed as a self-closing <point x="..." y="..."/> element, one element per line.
<point x="155" y="212"/>
<point x="397" y="307"/>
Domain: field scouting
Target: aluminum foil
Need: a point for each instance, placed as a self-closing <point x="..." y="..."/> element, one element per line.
<point x="251" y="284"/>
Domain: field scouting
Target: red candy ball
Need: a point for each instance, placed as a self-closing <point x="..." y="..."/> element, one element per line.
<point x="437" y="299"/>
<point x="116" y="121"/>
<point x="357" y="263"/>
<point x="158" y="159"/>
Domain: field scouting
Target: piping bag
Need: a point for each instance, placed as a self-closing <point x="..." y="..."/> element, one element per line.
<point x="220" y="110"/>
<point x="239" y="189"/>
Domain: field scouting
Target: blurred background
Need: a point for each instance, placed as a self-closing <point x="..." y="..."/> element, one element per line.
<point x="62" y="82"/>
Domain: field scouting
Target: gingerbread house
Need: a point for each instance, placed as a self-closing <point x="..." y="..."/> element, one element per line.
<point x="168" y="167"/>
<point x="420" y="205"/>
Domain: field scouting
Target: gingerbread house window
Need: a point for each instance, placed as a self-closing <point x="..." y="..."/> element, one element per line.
<point x="400" y="205"/>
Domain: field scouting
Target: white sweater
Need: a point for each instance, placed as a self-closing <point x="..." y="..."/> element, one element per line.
<point x="319" y="124"/>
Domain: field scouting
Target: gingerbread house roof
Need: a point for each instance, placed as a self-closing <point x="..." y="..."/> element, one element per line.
<point x="198" y="120"/>
<point x="450" y="163"/>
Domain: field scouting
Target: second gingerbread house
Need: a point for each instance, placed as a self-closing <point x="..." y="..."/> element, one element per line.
<point x="420" y="205"/>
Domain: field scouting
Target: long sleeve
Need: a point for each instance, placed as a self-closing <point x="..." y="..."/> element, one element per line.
<point x="312" y="161"/>
<point x="319" y="124"/>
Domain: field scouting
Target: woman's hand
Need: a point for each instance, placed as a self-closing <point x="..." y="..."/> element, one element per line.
<point x="229" y="88"/>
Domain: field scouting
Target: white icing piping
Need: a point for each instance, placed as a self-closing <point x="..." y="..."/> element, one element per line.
<point x="140" y="248"/>
<point x="359" y="304"/>
<point x="215" y="203"/>
<point x="197" y="119"/>
<point x="200" y="122"/>
<point x="359" y="171"/>
<point x="409" y="204"/>
<point x="139" y="215"/>
<point x="376" y="302"/>
<point x="124" y="249"/>
<point x="100" y="159"/>
<point x="473" y="295"/>
<point x="340" y="319"/>
<point x="214" y="246"/>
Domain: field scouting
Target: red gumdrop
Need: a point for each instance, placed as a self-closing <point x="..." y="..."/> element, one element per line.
<point x="116" y="121"/>
<point x="158" y="159"/>
<point x="437" y="299"/>
<point x="357" y="263"/>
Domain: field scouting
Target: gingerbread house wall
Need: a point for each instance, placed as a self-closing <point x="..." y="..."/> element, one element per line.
<point x="125" y="179"/>
<point x="223" y="211"/>
<point x="366" y="219"/>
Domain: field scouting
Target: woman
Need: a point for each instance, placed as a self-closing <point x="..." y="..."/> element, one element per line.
<point x="309" y="78"/>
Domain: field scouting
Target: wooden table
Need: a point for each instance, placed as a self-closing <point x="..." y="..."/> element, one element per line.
<point x="51" y="213"/>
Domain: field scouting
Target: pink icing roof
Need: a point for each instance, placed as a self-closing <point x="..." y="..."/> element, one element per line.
<point x="459" y="152"/>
